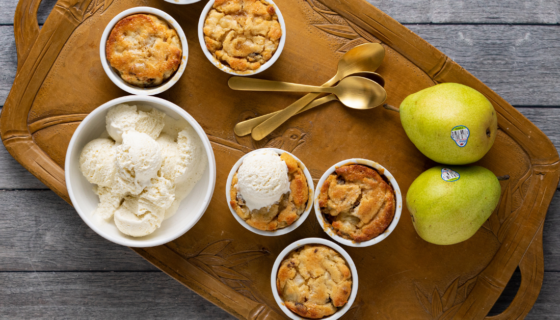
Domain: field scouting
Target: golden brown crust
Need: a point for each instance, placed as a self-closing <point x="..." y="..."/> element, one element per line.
<point x="243" y="34"/>
<point x="314" y="281"/>
<point x="289" y="208"/>
<point x="144" y="50"/>
<point x="357" y="201"/>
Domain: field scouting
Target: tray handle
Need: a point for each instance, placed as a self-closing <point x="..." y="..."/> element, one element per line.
<point x="532" y="273"/>
<point x="26" y="28"/>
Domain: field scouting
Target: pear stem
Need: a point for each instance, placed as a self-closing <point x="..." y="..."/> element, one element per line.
<point x="502" y="178"/>
<point x="390" y="107"/>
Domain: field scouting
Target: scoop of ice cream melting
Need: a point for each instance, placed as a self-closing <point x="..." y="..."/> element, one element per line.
<point x="262" y="179"/>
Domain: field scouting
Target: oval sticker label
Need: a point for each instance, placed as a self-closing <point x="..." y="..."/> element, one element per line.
<point x="449" y="175"/>
<point x="460" y="134"/>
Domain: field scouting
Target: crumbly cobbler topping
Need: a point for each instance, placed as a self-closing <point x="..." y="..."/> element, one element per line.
<point x="242" y="34"/>
<point x="286" y="211"/>
<point x="358" y="202"/>
<point x="314" y="281"/>
<point x="144" y="50"/>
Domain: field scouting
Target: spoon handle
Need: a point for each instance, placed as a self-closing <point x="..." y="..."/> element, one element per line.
<point x="269" y="125"/>
<point x="244" y="128"/>
<point x="249" y="84"/>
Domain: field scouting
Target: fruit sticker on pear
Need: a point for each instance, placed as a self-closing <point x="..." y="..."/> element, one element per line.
<point x="449" y="175"/>
<point x="460" y="134"/>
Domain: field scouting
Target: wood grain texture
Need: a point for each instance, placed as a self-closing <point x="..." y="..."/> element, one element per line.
<point x="41" y="232"/>
<point x="133" y="295"/>
<point x="471" y="11"/>
<point x="412" y="11"/>
<point x="8" y="9"/>
<point x="121" y="295"/>
<point x="515" y="61"/>
<point x="14" y="176"/>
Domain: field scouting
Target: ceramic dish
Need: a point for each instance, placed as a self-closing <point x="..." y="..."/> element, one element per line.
<point x="278" y="232"/>
<point x="116" y="78"/>
<point x="226" y="68"/>
<point x="301" y="243"/>
<point x="85" y="200"/>
<point x="398" y="207"/>
<point x="182" y="1"/>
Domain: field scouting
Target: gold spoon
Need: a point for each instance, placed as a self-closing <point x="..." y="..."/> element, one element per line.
<point x="245" y="127"/>
<point x="355" y="92"/>
<point x="365" y="57"/>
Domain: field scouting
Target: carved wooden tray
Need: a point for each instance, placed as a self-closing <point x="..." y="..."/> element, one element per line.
<point x="60" y="80"/>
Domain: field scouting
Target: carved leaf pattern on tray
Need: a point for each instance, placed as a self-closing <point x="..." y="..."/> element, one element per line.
<point x="215" y="262"/>
<point x="509" y="206"/>
<point x="340" y="27"/>
<point x="445" y="306"/>
<point x="83" y="9"/>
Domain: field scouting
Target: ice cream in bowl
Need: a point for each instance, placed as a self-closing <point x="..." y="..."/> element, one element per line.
<point x="270" y="192"/>
<point x="140" y="171"/>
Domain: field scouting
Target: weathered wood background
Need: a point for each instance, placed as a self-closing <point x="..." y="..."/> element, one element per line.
<point x="53" y="266"/>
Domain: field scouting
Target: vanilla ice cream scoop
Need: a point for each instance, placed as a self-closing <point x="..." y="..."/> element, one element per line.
<point x="262" y="179"/>
<point x="97" y="162"/>
<point x="129" y="222"/>
<point x="150" y="123"/>
<point x="159" y="195"/>
<point x="120" y="119"/>
<point x="109" y="201"/>
<point x="138" y="161"/>
<point x="124" y="118"/>
<point x="184" y="162"/>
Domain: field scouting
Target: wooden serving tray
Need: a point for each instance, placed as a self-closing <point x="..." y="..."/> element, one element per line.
<point x="60" y="80"/>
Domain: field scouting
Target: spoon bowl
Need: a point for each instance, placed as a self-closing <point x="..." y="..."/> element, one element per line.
<point x="359" y="93"/>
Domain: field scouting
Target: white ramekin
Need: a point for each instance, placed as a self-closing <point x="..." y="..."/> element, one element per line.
<point x="226" y="68"/>
<point x="182" y="1"/>
<point x="278" y="232"/>
<point x="398" y="207"/>
<point x="85" y="200"/>
<point x="301" y="243"/>
<point x="116" y="78"/>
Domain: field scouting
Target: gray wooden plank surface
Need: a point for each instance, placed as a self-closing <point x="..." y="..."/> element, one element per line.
<point x="413" y="11"/>
<point x="41" y="232"/>
<point x="521" y="63"/>
<point x="14" y="176"/>
<point x="471" y="11"/>
<point x="105" y="295"/>
<point x="147" y="295"/>
<point x="8" y="9"/>
<point x="514" y="61"/>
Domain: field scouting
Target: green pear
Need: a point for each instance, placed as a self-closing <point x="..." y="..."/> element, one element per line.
<point x="449" y="204"/>
<point x="450" y="123"/>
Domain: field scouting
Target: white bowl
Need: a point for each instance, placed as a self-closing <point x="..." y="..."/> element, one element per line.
<point x="278" y="232"/>
<point x="182" y="1"/>
<point x="398" y="207"/>
<point x="116" y="78"/>
<point x="226" y="68"/>
<point x="301" y="243"/>
<point x="85" y="200"/>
